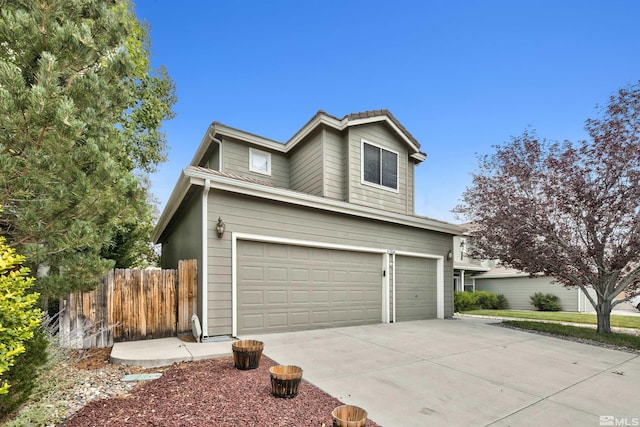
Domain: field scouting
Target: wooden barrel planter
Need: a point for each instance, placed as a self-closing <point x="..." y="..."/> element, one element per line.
<point x="285" y="380"/>
<point x="247" y="353"/>
<point x="349" y="416"/>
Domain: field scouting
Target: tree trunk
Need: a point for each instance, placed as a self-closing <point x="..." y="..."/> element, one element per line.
<point x="603" y="310"/>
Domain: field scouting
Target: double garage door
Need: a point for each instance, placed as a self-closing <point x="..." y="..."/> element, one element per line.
<point x="288" y="288"/>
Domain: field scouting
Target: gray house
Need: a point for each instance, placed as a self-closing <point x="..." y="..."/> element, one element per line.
<point x="470" y="274"/>
<point x="316" y="232"/>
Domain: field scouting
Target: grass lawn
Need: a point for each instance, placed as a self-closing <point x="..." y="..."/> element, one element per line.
<point x="561" y="316"/>
<point x="616" y="339"/>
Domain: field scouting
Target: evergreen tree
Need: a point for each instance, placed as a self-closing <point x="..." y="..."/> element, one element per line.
<point x="80" y="116"/>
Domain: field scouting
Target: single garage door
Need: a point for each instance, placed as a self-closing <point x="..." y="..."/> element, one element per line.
<point x="289" y="288"/>
<point x="416" y="290"/>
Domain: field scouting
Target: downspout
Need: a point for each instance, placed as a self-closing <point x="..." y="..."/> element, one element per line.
<point x="204" y="269"/>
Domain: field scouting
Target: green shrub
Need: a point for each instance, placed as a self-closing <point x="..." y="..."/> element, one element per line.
<point x="465" y="301"/>
<point x="502" y="302"/>
<point x="486" y="300"/>
<point x="545" y="302"/>
<point x="22" y="376"/>
<point x="19" y="317"/>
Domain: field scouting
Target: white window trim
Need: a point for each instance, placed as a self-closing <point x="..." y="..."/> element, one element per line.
<point x="253" y="151"/>
<point x="371" y="184"/>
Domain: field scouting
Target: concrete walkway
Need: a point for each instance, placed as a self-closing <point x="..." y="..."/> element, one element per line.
<point x="449" y="372"/>
<point x="166" y="351"/>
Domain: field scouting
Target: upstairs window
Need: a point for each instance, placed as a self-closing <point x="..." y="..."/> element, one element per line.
<point x="259" y="161"/>
<point x="379" y="166"/>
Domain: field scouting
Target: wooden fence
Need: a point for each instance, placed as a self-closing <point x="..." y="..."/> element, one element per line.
<point x="131" y="305"/>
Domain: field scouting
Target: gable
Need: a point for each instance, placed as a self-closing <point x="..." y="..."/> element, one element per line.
<point x="217" y="131"/>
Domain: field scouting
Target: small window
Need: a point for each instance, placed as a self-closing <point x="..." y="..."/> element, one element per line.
<point x="379" y="166"/>
<point x="259" y="161"/>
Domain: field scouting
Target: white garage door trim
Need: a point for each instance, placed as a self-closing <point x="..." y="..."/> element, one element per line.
<point x="385" y="259"/>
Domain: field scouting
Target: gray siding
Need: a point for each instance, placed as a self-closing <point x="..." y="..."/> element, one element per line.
<point x="517" y="291"/>
<point x="252" y="215"/>
<point x="306" y="166"/>
<point x="235" y="159"/>
<point x="367" y="195"/>
<point x="184" y="238"/>
<point x="334" y="165"/>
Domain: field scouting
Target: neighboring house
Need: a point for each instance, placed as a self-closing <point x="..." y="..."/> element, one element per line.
<point x="319" y="231"/>
<point x="487" y="275"/>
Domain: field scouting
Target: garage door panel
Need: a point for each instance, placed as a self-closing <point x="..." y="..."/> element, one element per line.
<point x="300" y="318"/>
<point x="277" y="273"/>
<point x="300" y="297"/>
<point x="253" y="297"/>
<point x="282" y="287"/>
<point x="299" y="275"/>
<point x="338" y="276"/>
<point x="252" y="273"/>
<point x="276" y="320"/>
<point x="319" y="297"/>
<point x="320" y="276"/>
<point x="277" y="297"/>
<point x="339" y="316"/>
<point x="338" y="297"/>
<point x="254" y="321"/>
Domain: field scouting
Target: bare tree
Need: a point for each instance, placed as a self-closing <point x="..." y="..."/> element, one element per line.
<point x="571" y="211"/>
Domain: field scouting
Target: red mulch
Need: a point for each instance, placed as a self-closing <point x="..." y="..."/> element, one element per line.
<point x="211" y="393"/>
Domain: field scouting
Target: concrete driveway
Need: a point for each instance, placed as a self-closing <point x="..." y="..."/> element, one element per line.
<point x="464" y="372"/>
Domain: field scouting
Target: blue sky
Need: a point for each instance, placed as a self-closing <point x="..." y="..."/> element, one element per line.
<point x="461" y="76"/>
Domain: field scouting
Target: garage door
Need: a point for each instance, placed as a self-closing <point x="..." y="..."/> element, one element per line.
<point x="416" y="290"/>
<point x="288" y="288"/>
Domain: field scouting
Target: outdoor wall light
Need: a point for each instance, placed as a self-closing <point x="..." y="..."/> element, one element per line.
<point x="449" y="256"/>
<point x="220" y="226"/>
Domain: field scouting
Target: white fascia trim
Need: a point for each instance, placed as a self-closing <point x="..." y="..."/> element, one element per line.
<point x="248" y="137"/>
<point x="421" y="157"/>
<point x="302" y="199"/>
<point x="439" y="280"/>
<point x="470" y="268"/>
<point x="311" y="126"/>
<point x="285" y="241"/>
<point x="481" y="276"/>
<point x="342" y="124"/>
<point x="203" y="147"/>
<point x="390" y="123"/>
